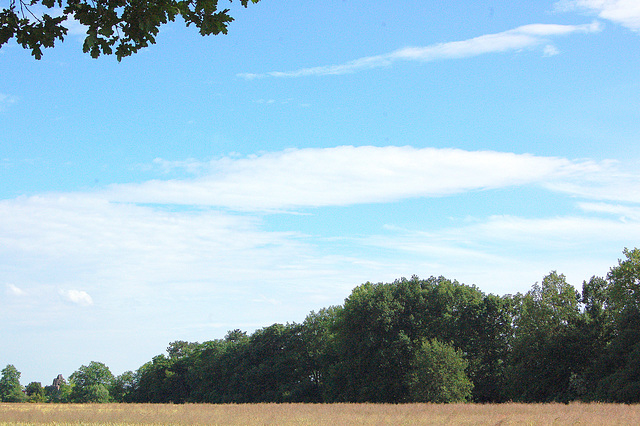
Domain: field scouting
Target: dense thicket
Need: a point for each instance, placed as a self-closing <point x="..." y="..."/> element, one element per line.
<point x="411" y="340"/>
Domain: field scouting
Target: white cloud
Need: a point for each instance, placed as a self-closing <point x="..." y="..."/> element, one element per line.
<point x="622" y="211"/>
<point x="550" y="50"/>
<point x="74" y="27"/>
<point x="98" y="239"/>
<point x="6" y="101"/>
<point x="505" y="254"/>
<point x="78" y="297"/>
<point x="609" y="181"/>
<point x="503" y="233"/>
<point x="190" y="165"/>
<point x="622" y="12"/>
<point x="134" y="256"/>
<point x="138" y="258"/>
<point x="13" y="290"/>
<point x="348" y="175"/>
<point x="561" y="232"/>
<point x="527" y="36"/>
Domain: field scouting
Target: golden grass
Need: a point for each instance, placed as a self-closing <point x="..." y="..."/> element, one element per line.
<point x="320" y="414"/>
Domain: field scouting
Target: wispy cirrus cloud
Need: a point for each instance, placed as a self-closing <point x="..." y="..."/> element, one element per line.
<point x="6" y="101"/>
<point x="621" y="12"/>
<point x="550" y="50"/>
<point x="611" y="181"/>
<point x="527" y="36"/>
<point x="139" y="251"/>
<point x="491" y="248"/>
<point x="14" y="290"/>
<point x="348" y="175"/>
<point x="624" y="212"/>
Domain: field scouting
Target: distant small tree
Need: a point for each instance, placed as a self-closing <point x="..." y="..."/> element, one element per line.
<point x="58" y="391"/>
<point x="35" y="392"/>
<point x="10" y="389"/>
<point x="440" y="374"/>
<point x="91" y="383"/>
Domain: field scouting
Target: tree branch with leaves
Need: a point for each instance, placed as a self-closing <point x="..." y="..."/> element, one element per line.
<point x="120" y="27"/>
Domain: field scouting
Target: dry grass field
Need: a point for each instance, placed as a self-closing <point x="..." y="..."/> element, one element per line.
<point x="319" y="414"/>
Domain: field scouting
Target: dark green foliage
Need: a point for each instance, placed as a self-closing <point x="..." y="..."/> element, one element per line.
<point x="274" y="364"/>
<point x="619" y="367"/>
<point x="381" y="326"/>
<point x="236" y="335"/>
<point x="58" y="391"/>
<point x="318" y="332"/>
<point x="271" y="365"/>
<point x="548" y="344"/>
<point x="375" y="335"/>
<point x="35" y="392"/>
<point x="624" y="284"/>
<point x="154" y="379"/>
<point x="617" y="371"/>
<point x="113" y="26"/>
<point x="180" y="349"/>
<point x="492" y="337"/>
<point x="595" y="298"/>
<point x="122" y="387"/>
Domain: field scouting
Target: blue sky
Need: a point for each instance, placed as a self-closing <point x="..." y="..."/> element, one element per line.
<point x="208" y="184"/>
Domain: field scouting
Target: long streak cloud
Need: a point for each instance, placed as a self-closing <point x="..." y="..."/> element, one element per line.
<point x="526" y="36"/>
<point x="348" y="175"/>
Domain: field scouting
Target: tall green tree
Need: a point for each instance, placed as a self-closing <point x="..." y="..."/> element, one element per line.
<point x="375" y="333"/>
<point x="10" y="388"/>
<point x="597" y="330"/>
<point x="113" y="26"/>
<point x="91" y="383"/>
<point x="381" y="326"/>
<point x="548" y="345"/>
<point x="318" y="333"/>
<point x="271" y="364"/>
<point x="617" y="372"/>
<point x="489" y="348"/>
<point x="153" y="380"/>
<point x="220" y="369"/>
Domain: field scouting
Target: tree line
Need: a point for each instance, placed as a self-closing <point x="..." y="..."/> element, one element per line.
<point x="412" y="340"/>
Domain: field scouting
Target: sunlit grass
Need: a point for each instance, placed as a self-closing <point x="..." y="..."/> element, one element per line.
<point x="319" y="414"/>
